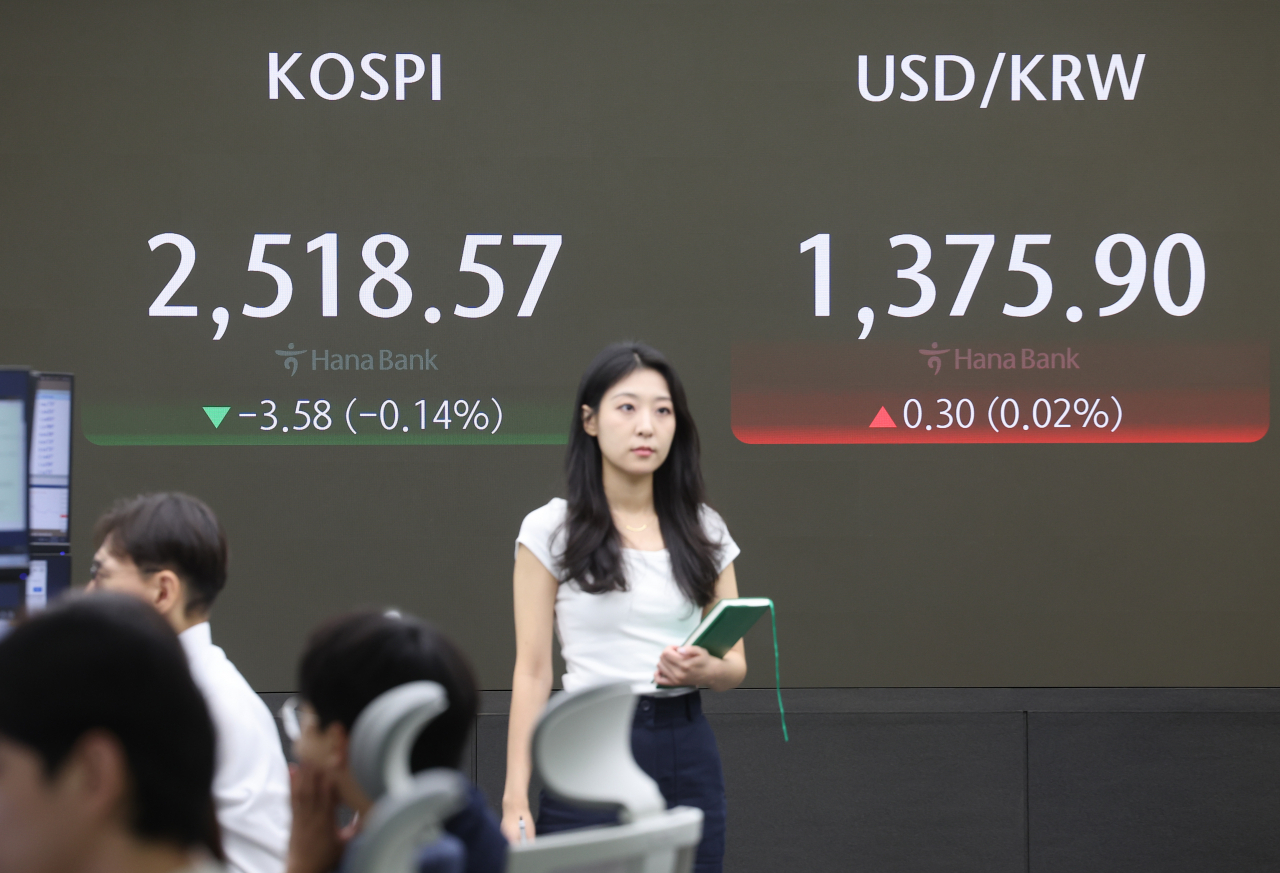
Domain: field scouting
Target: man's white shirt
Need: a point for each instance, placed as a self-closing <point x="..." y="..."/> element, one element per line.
<point x="251" y="785"/>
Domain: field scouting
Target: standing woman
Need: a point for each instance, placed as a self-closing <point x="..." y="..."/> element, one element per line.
<point x="625" y="569"/>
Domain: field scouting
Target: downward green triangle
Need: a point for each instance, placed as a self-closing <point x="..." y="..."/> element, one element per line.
<point x="216" y="413"/>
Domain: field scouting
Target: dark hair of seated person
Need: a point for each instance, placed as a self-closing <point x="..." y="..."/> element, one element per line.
<point x="168" y="530"/>
<point x="111" y="663"/>
<point x="351" y="659"/>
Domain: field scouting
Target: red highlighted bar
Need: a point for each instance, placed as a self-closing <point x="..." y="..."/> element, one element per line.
<point x="798" y="393"/>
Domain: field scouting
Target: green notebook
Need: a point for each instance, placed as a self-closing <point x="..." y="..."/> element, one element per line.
<point x="727" y="623"/>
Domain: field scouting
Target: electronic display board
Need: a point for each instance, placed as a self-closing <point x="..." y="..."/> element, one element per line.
<point x="973" y="302"/>
<point x="49" y="467"/>
<point x="13" y="471"/>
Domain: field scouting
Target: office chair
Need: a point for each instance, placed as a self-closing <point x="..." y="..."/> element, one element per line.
<point x="410" y="810"/>
<point x="582" y="751"/>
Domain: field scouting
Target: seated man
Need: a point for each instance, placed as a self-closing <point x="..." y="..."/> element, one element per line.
<point x="169" y="550"/>
<point x="347" y="663"/>
<point x="106" y="748"/>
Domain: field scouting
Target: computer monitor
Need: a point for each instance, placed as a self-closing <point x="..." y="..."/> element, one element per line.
<point x="49" y="494"/>
<point x="14" y="556"/>
<point x="48" y="577"/>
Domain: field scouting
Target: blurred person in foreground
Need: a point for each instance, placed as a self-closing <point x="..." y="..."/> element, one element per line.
<point x="348" y="662"/>
<point x="170" y="551"/>
<point x="95" y="775"/>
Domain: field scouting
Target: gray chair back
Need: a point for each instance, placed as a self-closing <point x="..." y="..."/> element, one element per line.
<point x="410" y="810"/>
<point x="582" y="752"/>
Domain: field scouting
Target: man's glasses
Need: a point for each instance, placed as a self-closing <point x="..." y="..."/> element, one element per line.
<point x="96" y="567"/>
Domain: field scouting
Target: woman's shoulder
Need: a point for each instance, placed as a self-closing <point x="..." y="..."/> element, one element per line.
<point x="712" y="522"/>
<point x="718" y="532"/>
<point x="546" y="518"/>
<point x="542" y="532"/>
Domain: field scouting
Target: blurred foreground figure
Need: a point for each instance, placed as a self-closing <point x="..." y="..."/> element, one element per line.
<point x="348" y="662"/>
<point x="170" y="550"/>
<point x="106" y="747"/>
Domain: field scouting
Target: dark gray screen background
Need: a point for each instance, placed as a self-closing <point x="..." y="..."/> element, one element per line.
<point x="683" y="150"/>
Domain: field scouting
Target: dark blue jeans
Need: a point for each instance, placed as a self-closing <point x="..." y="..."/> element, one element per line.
<point x="674" y="744"/>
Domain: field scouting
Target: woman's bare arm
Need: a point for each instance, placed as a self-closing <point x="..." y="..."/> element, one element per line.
<point x="535" y="602"/>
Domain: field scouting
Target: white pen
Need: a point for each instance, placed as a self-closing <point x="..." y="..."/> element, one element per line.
<point x="523" y="834"/>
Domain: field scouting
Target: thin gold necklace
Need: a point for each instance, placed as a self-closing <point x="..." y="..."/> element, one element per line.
<point x="644" y="526"/>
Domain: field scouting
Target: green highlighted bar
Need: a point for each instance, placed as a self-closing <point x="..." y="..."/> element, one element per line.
<point x="216" y="413"/>
<point x="338" y="439"/>
<point x="251" y="423"/>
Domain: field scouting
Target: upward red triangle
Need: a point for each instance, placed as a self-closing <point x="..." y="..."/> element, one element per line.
<point x="882" y="419"/>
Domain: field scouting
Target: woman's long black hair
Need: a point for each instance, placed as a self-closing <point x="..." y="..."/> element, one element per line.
<point x="593" y="547"/>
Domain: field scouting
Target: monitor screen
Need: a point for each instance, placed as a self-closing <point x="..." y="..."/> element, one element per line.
<point x="13" y="470"/>
<point x="48" y="577"/>
<point x="50" y="465"/>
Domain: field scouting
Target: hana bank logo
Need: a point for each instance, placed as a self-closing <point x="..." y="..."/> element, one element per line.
<point x="291" y="358"/>
<point x="1022" y="359"/>
<point x="382" y="359"/>
<point x="934" y="359"/>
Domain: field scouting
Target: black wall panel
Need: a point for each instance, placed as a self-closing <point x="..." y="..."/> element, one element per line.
<point x="886" y="792"/>
<point x="1049" y="780"/>
<point x="491" y="755"/>
<point x="1170" y="791"/>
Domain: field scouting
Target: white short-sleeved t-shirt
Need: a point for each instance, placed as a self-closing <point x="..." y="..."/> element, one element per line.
<point x="618" y="635"/>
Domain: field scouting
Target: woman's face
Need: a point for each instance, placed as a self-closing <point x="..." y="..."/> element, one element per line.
<point x="635" y="423"/>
